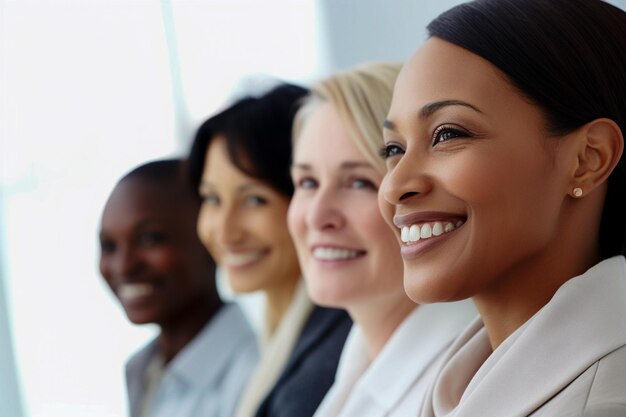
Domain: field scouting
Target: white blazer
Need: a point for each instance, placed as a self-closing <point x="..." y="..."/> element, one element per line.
<point x="569" y="359"/>
<point x="395" y="382"/>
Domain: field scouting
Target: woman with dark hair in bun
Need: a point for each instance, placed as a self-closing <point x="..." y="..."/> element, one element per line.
<point x="508" y="123"/>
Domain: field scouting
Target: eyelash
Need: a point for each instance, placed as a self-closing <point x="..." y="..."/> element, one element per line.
<point x="366" y="184"/>
<point x="448" y="129"/>
<point x="309" y="183"/>
<point x="392" y="149"/>
<point x="151" y="238"/>
<point x="255" y="200"/>
<point x="210" y="199"/>
<point x="302" y="183"/>
<point x="251" y="200"/>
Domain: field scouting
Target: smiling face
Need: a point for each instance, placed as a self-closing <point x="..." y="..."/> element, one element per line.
<point x="150" y="255"/>
<point x="347" y="252"/>
<point x="475" y="186"/>
<point x="243" y="224"/>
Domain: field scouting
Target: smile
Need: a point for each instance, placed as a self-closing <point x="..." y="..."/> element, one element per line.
<point x="422" y="231"/>
<point x="238" y="260"/>
<point x="335" y="254"/>
<point x="129" y="292"/>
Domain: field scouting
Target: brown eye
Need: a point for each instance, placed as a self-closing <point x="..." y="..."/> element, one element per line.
<point x="445" y="133"/>
<point x="255" y="200"/>
<point x="391" y="150"/>
<point x="107" y="246"/>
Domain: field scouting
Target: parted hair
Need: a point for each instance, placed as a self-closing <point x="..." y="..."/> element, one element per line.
<point x="362" y="97"/>
<point x="257" y="130"/>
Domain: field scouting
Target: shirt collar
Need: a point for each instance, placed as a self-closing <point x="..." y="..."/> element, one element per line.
<point x="216" y="343"/>
<point x="413" y="347"/>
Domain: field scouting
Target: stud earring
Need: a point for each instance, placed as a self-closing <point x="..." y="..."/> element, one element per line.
<point x="578" y="192"/>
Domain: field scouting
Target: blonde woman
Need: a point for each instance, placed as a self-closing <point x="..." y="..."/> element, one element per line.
<point x="350" y="258"/>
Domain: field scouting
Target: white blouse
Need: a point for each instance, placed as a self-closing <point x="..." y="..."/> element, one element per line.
<point x="394" y="383"/>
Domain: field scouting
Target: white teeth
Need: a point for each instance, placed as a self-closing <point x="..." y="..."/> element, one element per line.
<point x="241" y="259"/>
<point x="404" y="234"/>
<point x="413" y="233"/>
<point x="128" y="292"/>
<point x="334" y="254"/>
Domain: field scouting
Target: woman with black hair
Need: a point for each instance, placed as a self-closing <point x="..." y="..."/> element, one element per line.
<point x="509" y="123"/>
<point x="240" y="164"/>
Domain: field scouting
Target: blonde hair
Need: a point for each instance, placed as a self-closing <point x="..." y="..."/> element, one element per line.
<point x="362" y="97"/>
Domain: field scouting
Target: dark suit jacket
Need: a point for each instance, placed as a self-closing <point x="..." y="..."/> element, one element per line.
<point x="310" y="371"/>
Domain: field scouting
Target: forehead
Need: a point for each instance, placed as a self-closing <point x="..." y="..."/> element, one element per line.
<point x="324" y="138"/>
<point x="136" y="200"/>
<point x="440" y="70"/>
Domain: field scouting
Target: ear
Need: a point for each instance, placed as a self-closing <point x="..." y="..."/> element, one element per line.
<point x="600" y="147"/>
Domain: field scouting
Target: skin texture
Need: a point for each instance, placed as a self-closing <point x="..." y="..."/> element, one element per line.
<point x="148" y="238"/>
<point x="243" y="224"/>
<point x="335" y="207"/>
<point x="492" y="164"/>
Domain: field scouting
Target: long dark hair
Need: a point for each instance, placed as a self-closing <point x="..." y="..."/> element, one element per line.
<point x="257" y="131"/>
<point x="568" y="57"/>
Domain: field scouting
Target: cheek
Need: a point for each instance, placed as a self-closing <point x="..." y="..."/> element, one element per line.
<point x="204" y="227"/>
<point x="272" y="224"/>
<point x="103" y="266"/>
<point x="386" y="242"/>
<point x="164" y="259"/>
<point x="296" y="221"/>
<point x="385" y="209"/>
<point x="486" y="185"/>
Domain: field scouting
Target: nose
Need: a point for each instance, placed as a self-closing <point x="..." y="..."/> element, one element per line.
<point x="222" y="227"/>
<point x="324" y="211"/>
<point x="405" y="181"/>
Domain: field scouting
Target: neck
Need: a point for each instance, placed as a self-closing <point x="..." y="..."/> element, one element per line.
<point x="278" y="301"/>
<point x="178" y="332"/>
<point x="379" y="319"/>
<point x="528" y="286"/>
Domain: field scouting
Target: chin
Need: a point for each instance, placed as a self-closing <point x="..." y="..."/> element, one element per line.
<point x="429" y="290"/>
<point x="328" y="297"/>
<point x="140" y="319"/>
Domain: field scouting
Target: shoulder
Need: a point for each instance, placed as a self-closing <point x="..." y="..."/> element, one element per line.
<point x="600" y="391"/>
<point x="609" y="382"/>
<point x="138" y="361"/>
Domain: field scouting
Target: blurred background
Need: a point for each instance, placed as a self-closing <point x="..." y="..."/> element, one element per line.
<point x="88" y="90"/>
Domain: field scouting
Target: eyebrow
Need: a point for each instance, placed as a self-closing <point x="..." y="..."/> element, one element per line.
<point x="205" y="185"/>
<point x="344" y="165"/>
<point x="430" y="108"/>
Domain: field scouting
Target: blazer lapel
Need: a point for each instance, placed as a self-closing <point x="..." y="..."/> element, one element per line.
<point x="582" y="323"/>
<point x="321" y="322"/>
